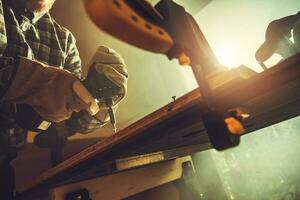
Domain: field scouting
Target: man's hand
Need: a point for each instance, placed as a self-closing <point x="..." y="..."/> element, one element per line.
<point x="107" y="69"/>
<point x="49" y="91"/>
<point x="82" y="122"/>
<point x="107" y="81"/>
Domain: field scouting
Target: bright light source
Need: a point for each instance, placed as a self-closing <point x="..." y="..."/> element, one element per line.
<point x="228" y="54"/>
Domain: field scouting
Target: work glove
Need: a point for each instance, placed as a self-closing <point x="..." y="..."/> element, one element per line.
<point x="52" y="92"/>
<point x="106" y="69"/>
<point x="110" y="72"/>
<point x="277" y="38"/>
<point x="109" y="63"/>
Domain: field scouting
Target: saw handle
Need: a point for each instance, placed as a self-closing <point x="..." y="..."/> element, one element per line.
<point x="136" y="24"/>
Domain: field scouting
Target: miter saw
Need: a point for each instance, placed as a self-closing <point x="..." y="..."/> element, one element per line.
<point x="168" y="29"/>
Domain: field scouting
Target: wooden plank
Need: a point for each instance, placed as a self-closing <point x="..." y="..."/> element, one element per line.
<point x="122" y="135"/>
<point x="181" y="104"/>
<point x="234" y="93"/>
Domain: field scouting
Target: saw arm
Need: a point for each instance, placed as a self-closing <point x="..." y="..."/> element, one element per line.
<point x="168" y="29"/>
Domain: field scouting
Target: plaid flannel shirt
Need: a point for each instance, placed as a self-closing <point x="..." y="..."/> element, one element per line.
<point x="37" y="37"/>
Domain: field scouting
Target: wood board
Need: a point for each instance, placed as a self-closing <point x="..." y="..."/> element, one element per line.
<point x="271" y="97"/>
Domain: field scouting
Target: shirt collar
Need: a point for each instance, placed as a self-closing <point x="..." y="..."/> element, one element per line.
<point x="19" y="5"/>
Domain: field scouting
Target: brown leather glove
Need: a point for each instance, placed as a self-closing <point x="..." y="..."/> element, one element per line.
<point x="52" y="92"/>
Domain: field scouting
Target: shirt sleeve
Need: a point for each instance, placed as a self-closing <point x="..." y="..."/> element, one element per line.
<point x="73" y="61"/>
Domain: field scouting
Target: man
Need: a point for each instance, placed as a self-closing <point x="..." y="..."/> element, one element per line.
<point x="35" y="52"/>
